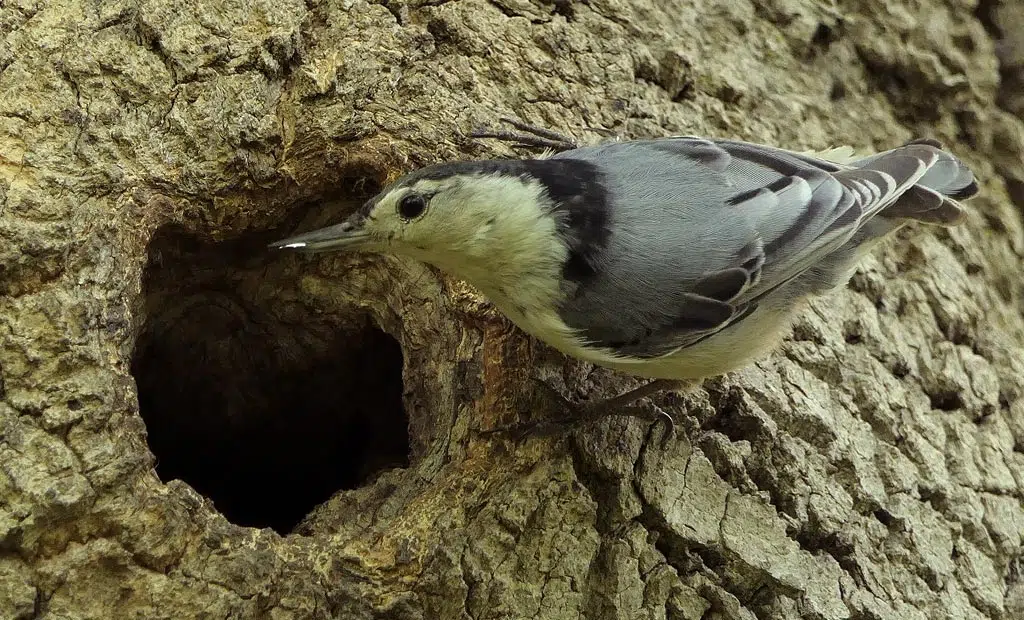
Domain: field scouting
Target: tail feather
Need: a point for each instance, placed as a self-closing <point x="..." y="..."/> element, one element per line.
<point x="933" y="196"/>
<point x="967" y="191"/>
<point x="948" y="175"/>
<point x="927" y="206"/>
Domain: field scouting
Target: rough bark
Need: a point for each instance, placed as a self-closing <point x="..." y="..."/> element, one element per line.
<point x="872" y="468"/>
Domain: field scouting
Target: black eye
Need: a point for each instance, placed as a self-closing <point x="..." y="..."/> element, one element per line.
<point x="412" y="206"/>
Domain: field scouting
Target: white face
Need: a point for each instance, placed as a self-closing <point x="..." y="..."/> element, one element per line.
<point x="416" y="216"/>
<point x="456" y="216"/>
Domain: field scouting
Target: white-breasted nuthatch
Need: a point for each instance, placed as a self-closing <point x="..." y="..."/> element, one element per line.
<point x="674" y="258"/>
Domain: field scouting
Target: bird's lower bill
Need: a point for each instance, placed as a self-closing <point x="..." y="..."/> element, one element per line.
<point x="339" y="237"/>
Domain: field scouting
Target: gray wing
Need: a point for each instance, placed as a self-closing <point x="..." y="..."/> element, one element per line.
<point x="697" y="232"/>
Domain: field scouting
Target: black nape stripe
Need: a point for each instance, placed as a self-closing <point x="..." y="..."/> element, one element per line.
<point x="579" y="194"/>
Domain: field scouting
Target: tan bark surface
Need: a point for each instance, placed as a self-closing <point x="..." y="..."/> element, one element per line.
<point x="873" y="468"/>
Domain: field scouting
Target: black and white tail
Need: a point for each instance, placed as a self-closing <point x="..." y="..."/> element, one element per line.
<point x="937" y="180"/>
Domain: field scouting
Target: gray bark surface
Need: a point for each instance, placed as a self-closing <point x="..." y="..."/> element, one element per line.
<point x="872" y="468"/>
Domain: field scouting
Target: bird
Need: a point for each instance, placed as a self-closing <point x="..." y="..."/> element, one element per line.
<point x="673" y="259"/>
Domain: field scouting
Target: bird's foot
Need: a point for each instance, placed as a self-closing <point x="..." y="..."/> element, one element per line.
<point x="529" y="135"/>
<point x="577" y="413"/>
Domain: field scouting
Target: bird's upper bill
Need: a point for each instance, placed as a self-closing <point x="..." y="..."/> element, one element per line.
<point x="348" y="235"/>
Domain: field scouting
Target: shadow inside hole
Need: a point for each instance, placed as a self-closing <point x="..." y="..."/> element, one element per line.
<point x="267" y="414"/>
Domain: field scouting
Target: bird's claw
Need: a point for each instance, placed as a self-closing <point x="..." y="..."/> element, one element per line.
<point x="528" y="135"/>
<point x="585" y="412"/>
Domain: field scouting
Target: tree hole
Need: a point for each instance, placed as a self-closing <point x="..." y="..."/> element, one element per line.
<point x="266" y="407"/>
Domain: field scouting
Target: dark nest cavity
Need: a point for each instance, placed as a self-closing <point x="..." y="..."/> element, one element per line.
<point x="265" y="412"/>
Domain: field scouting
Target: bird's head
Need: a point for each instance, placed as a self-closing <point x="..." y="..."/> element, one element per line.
<point x="470" y="218"/>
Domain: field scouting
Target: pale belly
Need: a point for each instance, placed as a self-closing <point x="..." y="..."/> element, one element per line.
<point x="728" y="350"/>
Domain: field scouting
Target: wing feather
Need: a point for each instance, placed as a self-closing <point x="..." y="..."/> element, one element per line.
<point x="750" y="218"/>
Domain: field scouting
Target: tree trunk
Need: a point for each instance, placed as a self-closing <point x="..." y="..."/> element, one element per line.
<point x="194" y="427"/>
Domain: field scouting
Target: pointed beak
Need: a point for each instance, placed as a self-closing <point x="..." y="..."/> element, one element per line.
<point x="348" y="235"/>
